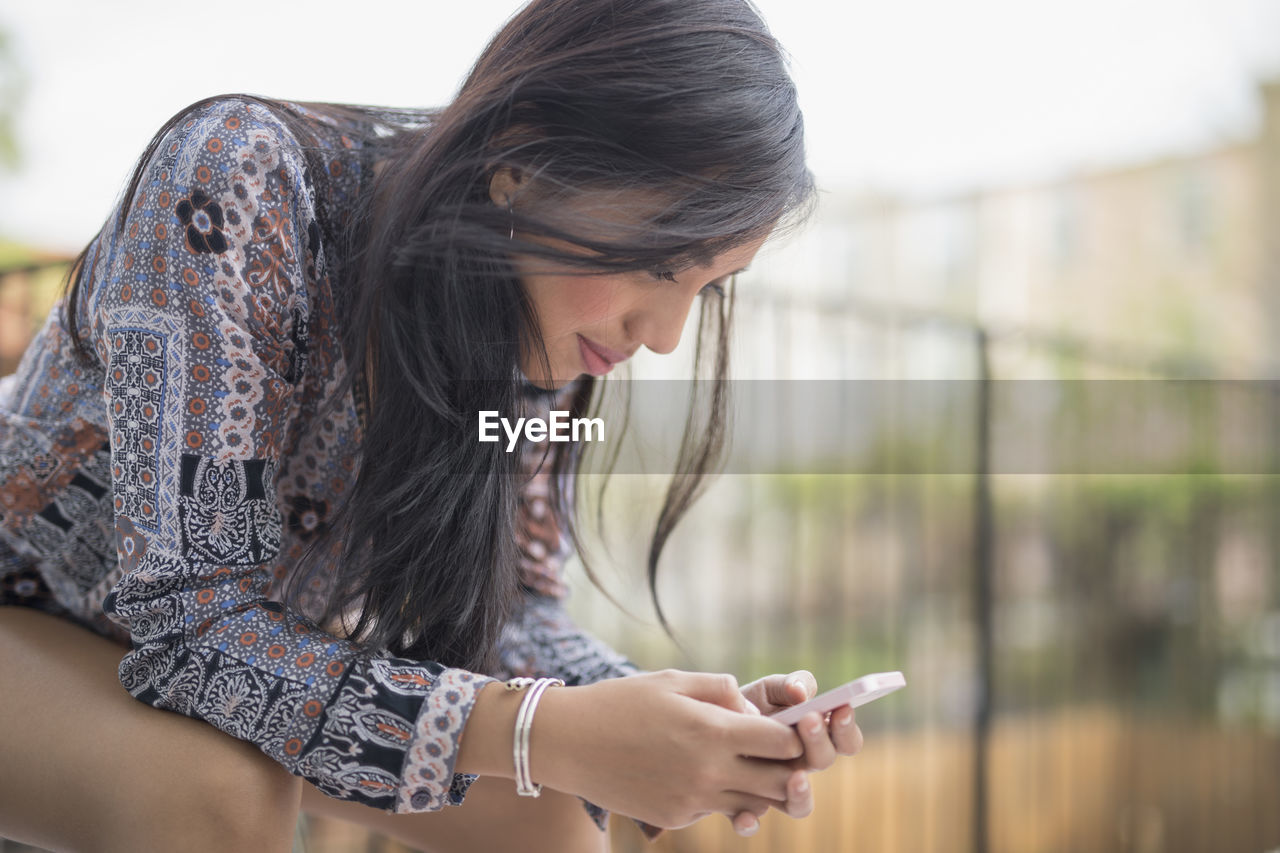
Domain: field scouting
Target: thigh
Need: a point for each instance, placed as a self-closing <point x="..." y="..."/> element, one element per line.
<point x="86" y="767"/>
<point x="492" y="818"/>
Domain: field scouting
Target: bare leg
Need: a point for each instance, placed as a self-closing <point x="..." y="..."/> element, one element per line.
<point x="86" y="767"/>
<point x="493" y="818"/>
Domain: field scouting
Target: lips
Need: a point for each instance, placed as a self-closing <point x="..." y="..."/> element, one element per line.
<point x="598" y="359"/>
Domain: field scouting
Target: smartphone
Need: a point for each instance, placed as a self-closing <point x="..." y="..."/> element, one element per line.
<point x="860" y="691"/>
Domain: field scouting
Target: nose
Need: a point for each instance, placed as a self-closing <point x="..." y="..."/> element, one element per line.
<point x="659" y="321"/>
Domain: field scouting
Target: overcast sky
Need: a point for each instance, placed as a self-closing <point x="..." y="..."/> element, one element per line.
<point x="919" y="96"/>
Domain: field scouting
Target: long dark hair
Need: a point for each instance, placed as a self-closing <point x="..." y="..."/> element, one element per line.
<point x="686" y="104"/>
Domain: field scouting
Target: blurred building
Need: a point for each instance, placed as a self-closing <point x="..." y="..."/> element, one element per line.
<point x="1179" y="255"/>
<point x="1166" y="268"/>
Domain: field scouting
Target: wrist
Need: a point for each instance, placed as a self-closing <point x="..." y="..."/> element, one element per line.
<point x="533" y="690"/>
<point x="485" y="747"/>
<point x="555" y="738"/>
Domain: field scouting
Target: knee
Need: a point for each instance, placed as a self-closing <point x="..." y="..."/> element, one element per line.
<point x="231" y="798"/>
<point x="565" y="827"/>
<point x="250" y="803"/>
<point x="583" y="840"/>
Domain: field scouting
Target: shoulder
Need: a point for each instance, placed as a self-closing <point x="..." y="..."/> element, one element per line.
<point x="215" y="231"/>
<point x="267" y="163"/>
<point x="210" y="143"/>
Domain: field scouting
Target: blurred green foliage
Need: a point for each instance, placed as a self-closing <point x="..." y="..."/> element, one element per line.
<point x="13" y="84"/>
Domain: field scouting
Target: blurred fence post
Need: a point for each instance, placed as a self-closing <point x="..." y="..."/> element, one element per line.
<point x="983" y="556"/>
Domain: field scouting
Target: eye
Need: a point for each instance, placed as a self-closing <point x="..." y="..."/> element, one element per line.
<point x="716" y="287"/>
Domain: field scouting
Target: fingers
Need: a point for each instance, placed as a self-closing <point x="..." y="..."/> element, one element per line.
<point x="745" y="824"/>
<point x="744" y="810"/>
<point x="763" y="738"/>
<point x="797" y="799"/>
<point x="845" y="733"/>
<point x="823" y="742"/>
<point x="761" y="778"/>
<point x="799" y="795"/>
<point x="819" y="748"/>
<point x="750" y="808"/>
<point x="809" y="743"/>
<point x="812" y="744"/>
<point x="717" y="688"/>
<point x="795" y="796"/>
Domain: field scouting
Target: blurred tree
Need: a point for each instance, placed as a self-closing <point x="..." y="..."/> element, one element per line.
<point x="12" y="86"/>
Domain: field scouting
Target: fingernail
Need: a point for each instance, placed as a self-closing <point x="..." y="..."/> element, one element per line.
<point x="803" y="786"/>
<point x="845" y="721"/>
<point x="815" y="728"/>
<point x="752" y="827"/>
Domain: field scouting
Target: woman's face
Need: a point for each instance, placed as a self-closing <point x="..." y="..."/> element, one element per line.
<point x="590" y="322"/>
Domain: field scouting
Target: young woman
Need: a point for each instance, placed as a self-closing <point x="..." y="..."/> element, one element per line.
<point x="244" y="453"/>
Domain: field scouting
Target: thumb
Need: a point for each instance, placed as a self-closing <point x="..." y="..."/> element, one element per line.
<point x="791" y="689"/>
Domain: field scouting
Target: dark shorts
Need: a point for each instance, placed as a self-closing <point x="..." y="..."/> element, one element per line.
<point x="21" y="585"/>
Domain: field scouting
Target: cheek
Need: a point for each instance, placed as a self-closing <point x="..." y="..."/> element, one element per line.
<point x="568" y="304"/>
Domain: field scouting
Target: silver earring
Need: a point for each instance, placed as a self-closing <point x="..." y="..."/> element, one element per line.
<point x="511" y="217"/>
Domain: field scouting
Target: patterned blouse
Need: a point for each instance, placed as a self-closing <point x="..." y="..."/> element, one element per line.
<point x="162" y="494"/>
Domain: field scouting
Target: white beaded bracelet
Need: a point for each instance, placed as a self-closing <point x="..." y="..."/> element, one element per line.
<point x="524" y="724"/>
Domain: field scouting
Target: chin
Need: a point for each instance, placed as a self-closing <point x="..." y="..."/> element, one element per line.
<point x="564" y="368"/>
<point x="554" y="383"/>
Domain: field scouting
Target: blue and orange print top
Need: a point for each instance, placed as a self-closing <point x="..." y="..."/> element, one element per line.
<point x="162" y="494"/>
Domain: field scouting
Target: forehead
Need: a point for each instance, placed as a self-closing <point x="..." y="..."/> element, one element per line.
<point x="624" y="218"/>
<point x="731" y="260"/>
<point x="625" y="215"/>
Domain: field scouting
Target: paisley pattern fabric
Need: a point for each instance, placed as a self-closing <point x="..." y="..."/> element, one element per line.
<point x="226" y="515"/>
<point x="162" y="494"/>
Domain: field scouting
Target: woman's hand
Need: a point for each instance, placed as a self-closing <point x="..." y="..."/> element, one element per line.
<point x="823" y="737"/>
<point x="665" y="747"/>
<point x="839" y="736"/>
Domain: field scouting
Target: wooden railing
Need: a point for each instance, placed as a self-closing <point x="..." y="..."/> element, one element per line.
<point x="27" y="292"/>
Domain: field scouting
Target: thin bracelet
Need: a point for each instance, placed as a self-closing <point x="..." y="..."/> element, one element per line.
<point x="524" y="723"/>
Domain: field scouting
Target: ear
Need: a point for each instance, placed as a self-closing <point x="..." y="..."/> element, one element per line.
<point x="505" y="184"/>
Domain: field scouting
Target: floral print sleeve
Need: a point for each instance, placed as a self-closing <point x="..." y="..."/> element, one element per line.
<point x="200" y="311"/>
